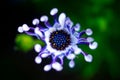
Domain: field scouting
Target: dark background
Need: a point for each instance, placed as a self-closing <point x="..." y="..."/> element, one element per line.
<point x="17" y="55"/>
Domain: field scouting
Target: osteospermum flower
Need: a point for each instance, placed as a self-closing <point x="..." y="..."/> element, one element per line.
<point x="61" y="40"/>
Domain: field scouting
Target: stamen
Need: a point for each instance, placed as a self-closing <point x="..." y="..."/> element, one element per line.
<point x="90" y="39"/>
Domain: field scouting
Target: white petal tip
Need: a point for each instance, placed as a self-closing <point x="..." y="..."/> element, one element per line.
<point x="88" y="58"/>
<point x="71" y="64"/>
<point x="47" y="68"/>
<point x="20" y="29"/>
<point x="25" y="27"/>
<point x="89" y="31"/>
<point x="57" y="66"/>
<point x="44" y="55"/>
<point x="90" y="39"/>
<point x="37" y="31"/>
<point x="61" y="19"/>
<point x="69" y="22"/>
<point x="53" y="11"/>
<point x="77" y="27"/>
<point x="44" y="19"/>
<point x="94" y="45"/>
<point x="37" y="47"/>
<point x="35" y="21"/>
<point x="77" y="50"/>
<point x="38" y="60"/>
<point x="70" y="56"/>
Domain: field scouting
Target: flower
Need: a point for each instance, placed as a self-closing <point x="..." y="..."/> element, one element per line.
<point x="61" y="40"/>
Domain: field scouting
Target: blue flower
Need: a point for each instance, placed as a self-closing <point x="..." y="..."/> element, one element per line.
<point x="61" y="40"/>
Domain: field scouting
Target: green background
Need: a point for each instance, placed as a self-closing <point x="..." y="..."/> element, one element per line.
<point x="102" y="16"/>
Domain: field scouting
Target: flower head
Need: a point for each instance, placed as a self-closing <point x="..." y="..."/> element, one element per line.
<point x="61" y="40"/>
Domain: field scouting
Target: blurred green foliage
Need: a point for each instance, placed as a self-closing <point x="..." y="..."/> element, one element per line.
<point x="96" y="14"/>
<point x="26" y="43"/>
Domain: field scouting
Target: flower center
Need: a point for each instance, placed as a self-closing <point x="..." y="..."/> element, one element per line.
<point x="60" y="39"/>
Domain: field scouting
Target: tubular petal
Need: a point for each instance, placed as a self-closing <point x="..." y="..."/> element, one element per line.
<point x="20" y="29"/>
<point x="89" y="31"/>
<point x="70" y="56"/>
<point x="71" y="64"/>
<point x="37" y="48"/>
<point x="53" y="11"/>
<point x="77" y="27"/>
<point x="25" y="27"/>
<point x="44" y="55"/>
<point x="76" y="50"/>
<point x="61" y="19"/>
<point x="57" y="66"/>
<point x="68" y="22"/>
<point x="47" y="68"/>
<point x="93" y="45"/>
<point x="35" y="21"/>
<point x="88" y="58"/>
<point x="44" y="19"/>
<point x="38" y="60"/>
<point x="37" y="31"/>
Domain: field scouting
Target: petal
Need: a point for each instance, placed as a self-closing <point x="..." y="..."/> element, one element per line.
<point x="38" y="60"/>
<point x="44" y="18"/>
<point x="25" y="27"/>
<point x="93" y="45"/>
<point x="77" y="27"/>
<point x="77" y="50"/>
<point x="35" y="21"/>
<point x="37" y="31"/>
<point x="44" y="55"/>
<point x="88" y="31"/>
<point x="71" y="64"/>
<point x="57" y="66"/>
<point x="90" y="39"/>
<point x="47" y="68"/>
<point x="53" y="11"/>
<point x="68" y="22"/>
<point x="76" y="34"/>
<point x="70" y="56"/>
<point x="20" y="29"/>
<point x="88" y="58"/>
<point x="74" y="39"/>
<point x="61" y="19"/>
<point x="37" y="47"/>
